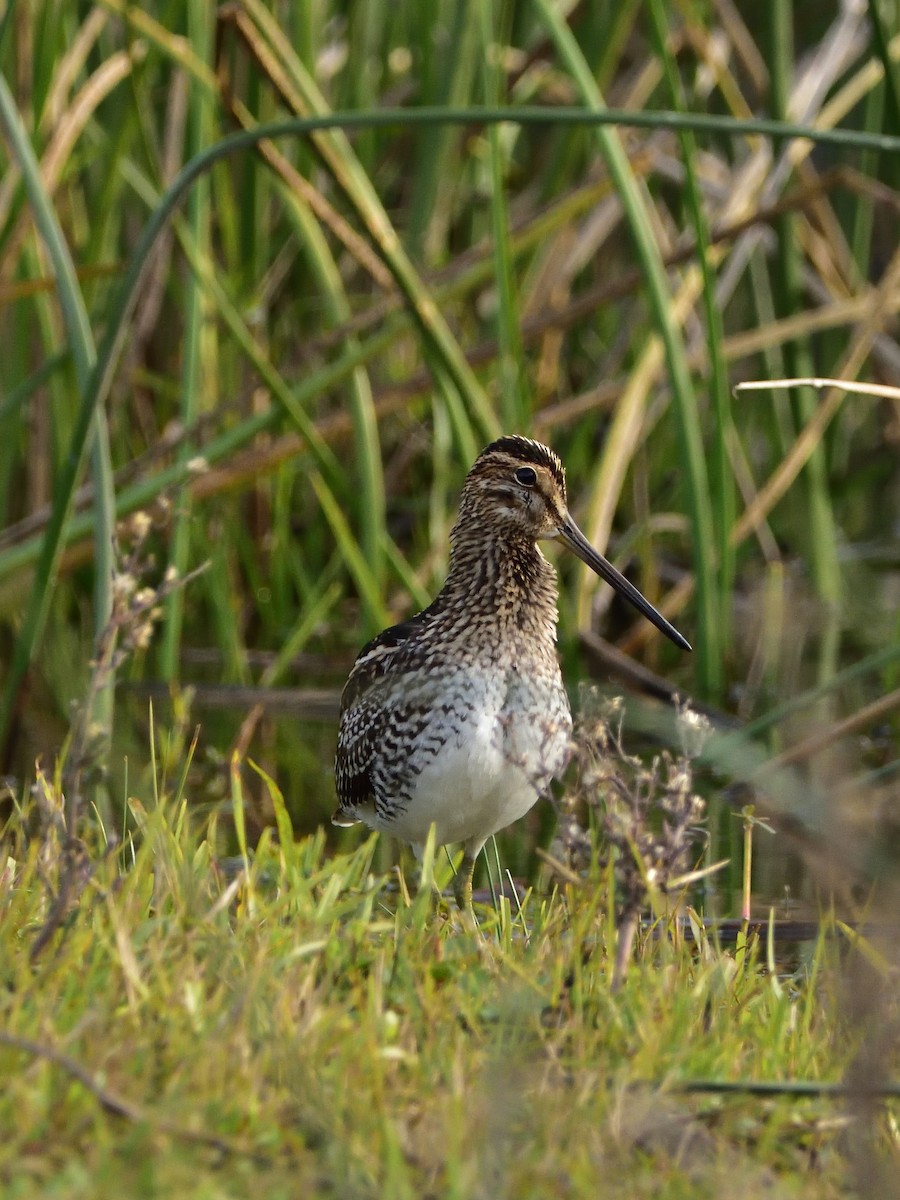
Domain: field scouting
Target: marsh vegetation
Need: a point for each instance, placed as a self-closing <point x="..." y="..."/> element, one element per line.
<point x="241" y="380"/>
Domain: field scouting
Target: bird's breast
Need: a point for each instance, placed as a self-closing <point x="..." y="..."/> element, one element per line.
<point x="481" y="744"/>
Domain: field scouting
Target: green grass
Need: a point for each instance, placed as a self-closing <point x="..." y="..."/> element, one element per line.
<point x="302" y="1028"/>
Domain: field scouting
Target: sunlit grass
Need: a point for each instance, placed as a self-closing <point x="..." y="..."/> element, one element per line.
<point x="301" y="1021"/>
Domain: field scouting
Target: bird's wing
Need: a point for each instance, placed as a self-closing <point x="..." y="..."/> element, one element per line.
<point x="370" y="703"/>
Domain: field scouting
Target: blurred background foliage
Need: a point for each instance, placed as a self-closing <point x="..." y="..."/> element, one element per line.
<point x="329" y="327"/>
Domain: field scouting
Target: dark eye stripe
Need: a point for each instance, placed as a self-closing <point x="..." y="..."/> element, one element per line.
<point x="527" y="476"/>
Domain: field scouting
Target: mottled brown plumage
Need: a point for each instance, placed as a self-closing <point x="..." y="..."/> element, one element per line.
<point x="458" y="717"/>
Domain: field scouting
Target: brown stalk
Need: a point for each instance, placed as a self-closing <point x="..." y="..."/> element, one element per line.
<point x="119" y="1106"/>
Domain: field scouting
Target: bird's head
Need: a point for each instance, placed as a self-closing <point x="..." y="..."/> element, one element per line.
<point x="516" y="490"/>
<point x="516" y="487"/>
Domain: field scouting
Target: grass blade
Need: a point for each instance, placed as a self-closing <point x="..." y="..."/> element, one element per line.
<point x="708" y="642"/>
<point x="81" y="345"/>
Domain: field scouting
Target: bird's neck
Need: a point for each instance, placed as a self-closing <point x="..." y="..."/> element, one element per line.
<point x="502" y="575"/>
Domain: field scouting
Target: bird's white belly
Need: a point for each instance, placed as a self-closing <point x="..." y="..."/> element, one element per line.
<point x="483" y="764"/>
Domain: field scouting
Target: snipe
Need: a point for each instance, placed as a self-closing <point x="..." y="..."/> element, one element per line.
<point x="458" y="717"/>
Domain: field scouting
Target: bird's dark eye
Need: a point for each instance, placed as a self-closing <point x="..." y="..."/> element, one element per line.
<point x="527" y="476"/>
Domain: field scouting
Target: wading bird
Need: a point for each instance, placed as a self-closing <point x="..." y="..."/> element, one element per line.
<point x="458" y="717"/>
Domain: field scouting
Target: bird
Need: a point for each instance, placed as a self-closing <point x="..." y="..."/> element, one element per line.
<point x="458" y="717"/>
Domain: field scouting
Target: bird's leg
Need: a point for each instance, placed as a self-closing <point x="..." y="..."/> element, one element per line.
<point x="462" y="884"/>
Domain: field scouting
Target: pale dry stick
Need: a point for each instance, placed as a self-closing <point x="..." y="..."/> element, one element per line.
<point x="739" y="344"/>
<point x="391" y="399"/>
<point x="884" y="390"/>
<point x="735" y="347"/>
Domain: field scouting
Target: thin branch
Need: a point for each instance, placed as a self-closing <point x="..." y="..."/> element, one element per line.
<point x="118" y="1106"/>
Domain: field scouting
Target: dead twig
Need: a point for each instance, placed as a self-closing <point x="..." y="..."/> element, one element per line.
<point x="118" y="1106"/>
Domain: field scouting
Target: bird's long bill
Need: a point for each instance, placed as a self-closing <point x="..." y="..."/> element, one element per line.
<point x="570" y="535"/>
